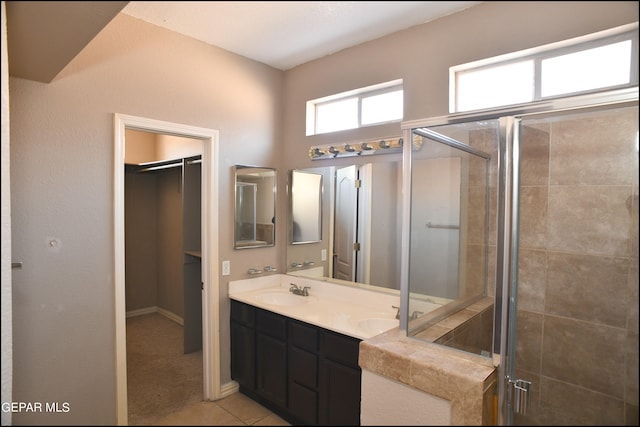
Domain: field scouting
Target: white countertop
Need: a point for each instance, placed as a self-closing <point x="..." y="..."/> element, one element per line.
<point x="349" y="310"/>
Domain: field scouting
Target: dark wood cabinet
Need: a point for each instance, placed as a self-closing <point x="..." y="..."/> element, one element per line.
<point x="306" y="374"/>
<point x="303" y="343"/>
<point x="271" y="357"/>
<point x="340" y="380"/>
<point x="243" y="345"/>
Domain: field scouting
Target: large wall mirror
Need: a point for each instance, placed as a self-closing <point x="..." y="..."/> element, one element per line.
<point x="361" y="243"/>
<point x="255" y="207"/>
<point x="306" y="207"/>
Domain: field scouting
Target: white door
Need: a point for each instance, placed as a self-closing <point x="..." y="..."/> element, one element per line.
<point x="345" y="224"/>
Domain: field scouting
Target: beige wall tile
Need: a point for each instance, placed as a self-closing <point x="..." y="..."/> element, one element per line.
<point x="532" y="280"/>
<point x="595" y="150"/>
<point x="533" y="217"/>
<point x="591" y="219"/>
<point x="631" y="385"/>
<point x="586" y="354"/>
<point x="588" y="288"/>
<point x="534" y="154"/>
<point x="529" y="345"/>
<point x="566" y="404"/>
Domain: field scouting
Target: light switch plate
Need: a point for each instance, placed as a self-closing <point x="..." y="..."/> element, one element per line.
<point x="323" y="255"/>
<point x="226" y="268"/>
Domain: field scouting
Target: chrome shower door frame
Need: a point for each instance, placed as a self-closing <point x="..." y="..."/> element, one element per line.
<point x="512" y="392"/>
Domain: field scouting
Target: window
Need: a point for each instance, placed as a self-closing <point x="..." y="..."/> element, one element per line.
<point x="367" y="106"/>
<point x="586" y="64"/>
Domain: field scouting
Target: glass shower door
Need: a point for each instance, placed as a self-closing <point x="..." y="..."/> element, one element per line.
<point x="574" y="279"/>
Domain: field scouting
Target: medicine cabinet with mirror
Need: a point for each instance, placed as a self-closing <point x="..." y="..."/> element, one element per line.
<point x="255" y="201"/>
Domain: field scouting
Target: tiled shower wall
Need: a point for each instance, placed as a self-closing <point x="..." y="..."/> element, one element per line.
<point x="578" y="269"/>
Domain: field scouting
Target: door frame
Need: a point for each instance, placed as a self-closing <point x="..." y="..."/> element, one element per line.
<point x="210" y="273"/>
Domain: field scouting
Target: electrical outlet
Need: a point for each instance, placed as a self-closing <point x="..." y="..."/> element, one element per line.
<point x="323" y="255"/>
<point x="226" y="268"/>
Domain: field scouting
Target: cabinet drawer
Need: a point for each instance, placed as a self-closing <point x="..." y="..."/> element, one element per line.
<point x="303" y="367"/>
<point x="303" y="336"/>
<point x="340" y="348"/>
<point x="242" y="313"/>
<point x="271" y="324"/>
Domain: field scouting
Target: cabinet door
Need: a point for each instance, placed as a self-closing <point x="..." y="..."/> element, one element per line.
<point x="340" y="376"/>
<point x="339" y="401"/>
<point x="243" y="355"/>
<point x="271" y="374"/>
<point x="303" y="385"/>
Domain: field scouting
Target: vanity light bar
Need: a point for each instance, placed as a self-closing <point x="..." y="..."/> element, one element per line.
<point x="360" y="148"/>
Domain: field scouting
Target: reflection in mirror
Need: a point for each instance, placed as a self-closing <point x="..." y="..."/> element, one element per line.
<point x="449" y="229"/>
<point x="306" y="207"/>
<point x="362" y="205"/>
<point x="254" y="207"/>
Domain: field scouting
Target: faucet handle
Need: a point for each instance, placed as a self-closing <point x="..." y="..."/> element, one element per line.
<point x="397" y="312"/>
<point x="305" y="291"/>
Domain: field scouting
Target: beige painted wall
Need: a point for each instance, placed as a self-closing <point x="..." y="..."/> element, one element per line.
<point x="422" y="55"/>
<point x="62" y="163"/>
<point x="62" y="156"/>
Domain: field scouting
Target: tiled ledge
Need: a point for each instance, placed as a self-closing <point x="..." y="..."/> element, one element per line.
<point x="464" y="379"/>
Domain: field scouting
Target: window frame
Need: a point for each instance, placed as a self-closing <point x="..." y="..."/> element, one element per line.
<point x="553" y="50"/>
<point x="359" y="94"/>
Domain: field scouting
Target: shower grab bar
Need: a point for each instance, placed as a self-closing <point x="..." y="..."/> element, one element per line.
<point x="448" y="227"/>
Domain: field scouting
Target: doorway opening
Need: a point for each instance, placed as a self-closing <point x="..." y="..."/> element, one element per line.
<point x="209" y="250"/>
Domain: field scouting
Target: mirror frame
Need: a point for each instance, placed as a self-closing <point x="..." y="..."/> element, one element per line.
<point x="260" y="196"/>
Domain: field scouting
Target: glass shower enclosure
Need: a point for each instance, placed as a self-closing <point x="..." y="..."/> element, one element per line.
<point x="522" y="228"/>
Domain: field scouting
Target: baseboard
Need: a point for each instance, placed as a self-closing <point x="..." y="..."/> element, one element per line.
<point x="171" y="316"/>
<point x="228" y="389"/>
<point x="142" y="311"/>
<point x="155" y="309"/>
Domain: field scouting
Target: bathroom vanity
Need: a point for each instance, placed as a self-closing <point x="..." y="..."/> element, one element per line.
<point x="298" y="355"/>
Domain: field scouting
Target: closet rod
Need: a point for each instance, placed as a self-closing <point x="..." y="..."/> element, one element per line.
<point x="153" y="168"/>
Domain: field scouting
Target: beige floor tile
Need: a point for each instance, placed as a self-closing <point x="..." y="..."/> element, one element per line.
<point x="200" y="414"/>
<point x="244" y="408"/>
<point x="271" y="420"/>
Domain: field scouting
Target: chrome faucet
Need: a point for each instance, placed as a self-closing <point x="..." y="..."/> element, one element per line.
<point x="416" y="314"/>
<point x="397" y="312"/>
<point x="294" y="289"/>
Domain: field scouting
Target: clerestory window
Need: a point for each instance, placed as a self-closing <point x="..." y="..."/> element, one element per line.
<point x="600" y="61"/>
<point x="372" y="105"/>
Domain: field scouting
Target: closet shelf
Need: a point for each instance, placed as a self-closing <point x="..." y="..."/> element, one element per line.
<point x="159" y="165"/>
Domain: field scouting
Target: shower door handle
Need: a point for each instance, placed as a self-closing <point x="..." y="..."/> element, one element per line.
<point x="519" y="395"/>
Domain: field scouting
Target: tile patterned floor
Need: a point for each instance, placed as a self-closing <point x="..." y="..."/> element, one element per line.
<point x="164" y="385"/>
<point x="234" y="410"/>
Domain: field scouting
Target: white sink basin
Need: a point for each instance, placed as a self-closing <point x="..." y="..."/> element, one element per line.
<point x="281" y="298"/>
<point x="377" y="326"/>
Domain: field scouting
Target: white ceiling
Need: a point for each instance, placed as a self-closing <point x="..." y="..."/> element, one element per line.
<point x="284" y="34"/>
